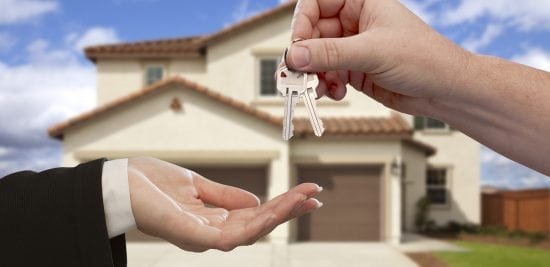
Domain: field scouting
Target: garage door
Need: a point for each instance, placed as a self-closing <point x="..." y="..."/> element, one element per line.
<point x="252" y="179"/>
<point x="352" y="199"/>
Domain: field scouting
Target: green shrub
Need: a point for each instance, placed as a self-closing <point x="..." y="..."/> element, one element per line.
<point x="537" y="237"/>
<point x="422" y="222"/>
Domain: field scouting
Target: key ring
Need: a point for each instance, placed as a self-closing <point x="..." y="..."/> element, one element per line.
<point x="286" y="51"/>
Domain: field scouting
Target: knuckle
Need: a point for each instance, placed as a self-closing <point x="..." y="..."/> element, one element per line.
<point x="332" y="53"/>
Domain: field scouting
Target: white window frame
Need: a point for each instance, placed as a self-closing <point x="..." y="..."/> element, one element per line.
<point x="258" y="78"/>
<point x="447" y="186"/>
<point x="146" y="67"/>
<point x="425" y="129"/>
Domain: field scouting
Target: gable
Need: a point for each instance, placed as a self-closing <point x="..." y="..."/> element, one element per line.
<point x="150" y="124"/>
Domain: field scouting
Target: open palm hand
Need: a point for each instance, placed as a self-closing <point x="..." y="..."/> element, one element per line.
<point x="197" y="214"/>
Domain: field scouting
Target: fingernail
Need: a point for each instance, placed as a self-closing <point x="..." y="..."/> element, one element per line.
<point x="319" y="188"/>
<point x="300" y="56"/>
<point x="319" y="203"/>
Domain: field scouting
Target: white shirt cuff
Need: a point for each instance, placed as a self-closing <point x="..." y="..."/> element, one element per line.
<point x="116" y="197"/>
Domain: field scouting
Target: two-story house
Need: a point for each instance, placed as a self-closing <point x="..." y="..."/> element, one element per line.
<point x="209" y="103"/>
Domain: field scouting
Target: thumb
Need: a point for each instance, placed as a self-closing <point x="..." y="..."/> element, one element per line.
<point x="329" y="54"/>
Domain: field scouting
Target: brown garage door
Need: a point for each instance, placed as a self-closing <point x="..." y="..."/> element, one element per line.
<point x="252" y="179"/>
<point x="352" y="204"/>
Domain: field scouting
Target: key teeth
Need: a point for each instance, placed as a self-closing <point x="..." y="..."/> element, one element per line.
<point x="322" y="127"/>
<point x="320" y="133"/>
<point x="291" y="133"/>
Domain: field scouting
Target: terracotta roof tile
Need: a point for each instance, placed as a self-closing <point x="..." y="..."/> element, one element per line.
<point x="177" y="47"/>
<point x="350" y="126"/>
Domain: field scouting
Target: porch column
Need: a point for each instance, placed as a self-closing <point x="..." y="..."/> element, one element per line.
<point x="278" y="183"/>
<point x="395" y="192"/>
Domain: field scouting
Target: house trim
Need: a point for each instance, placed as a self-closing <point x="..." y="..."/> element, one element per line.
<point x="232" y="157"/>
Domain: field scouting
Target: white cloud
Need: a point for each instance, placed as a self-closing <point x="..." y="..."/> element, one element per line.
<point x="421" y="9"/>
<point x="52" y="85"/>
<point x="4" y="151"/>
<point x="7" y="41"/>
<point x="93" y="36"/>
<point x="536" y="58"/>
<point x="491" y="157"/>
<point x="18" y="11"/>
<point x="499" y="171"/>
<point x="243" y="11"/>
<point x="489" y="35"/>
<point x="526" y="14"/>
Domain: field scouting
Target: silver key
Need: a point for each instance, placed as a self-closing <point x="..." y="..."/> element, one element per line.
<point x="291" y="99"/>
<point x="309" y="96"/>
<point x="287" y="84"/>
<point x="293" y="85"/>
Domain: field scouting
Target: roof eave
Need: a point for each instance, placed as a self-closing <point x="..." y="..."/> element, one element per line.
<point x="427" y="149"/>
<point x="94" y="57"/>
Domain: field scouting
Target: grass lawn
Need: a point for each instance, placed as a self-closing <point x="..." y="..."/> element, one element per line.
<point x="492" y="255"/>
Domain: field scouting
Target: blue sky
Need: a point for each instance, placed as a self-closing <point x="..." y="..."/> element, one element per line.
<point x="44" y="77"/>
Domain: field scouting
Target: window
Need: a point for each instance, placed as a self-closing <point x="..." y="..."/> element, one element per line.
<point x="268" y="85"/>
<point x="436" y="186"/>
<point x="422" y="123"/>
<point x="153" y="74"/>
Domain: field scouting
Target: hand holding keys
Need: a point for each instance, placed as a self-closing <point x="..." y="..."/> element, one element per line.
<point x="292" y="86"/>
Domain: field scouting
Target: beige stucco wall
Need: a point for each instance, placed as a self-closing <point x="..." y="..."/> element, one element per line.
<point x="117" y="78"/>
<point x="413" y="183"/>
<point x="191" y="69"/>
<point x="461" y="155"/>
<point x="204" y="129"/>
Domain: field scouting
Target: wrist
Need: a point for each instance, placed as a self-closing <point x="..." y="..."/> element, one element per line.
<point x="455" y="91"/>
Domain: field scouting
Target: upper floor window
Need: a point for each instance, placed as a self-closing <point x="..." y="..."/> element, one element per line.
<point x="423" y="123"/>
<point x="153" y="73"/>
<point x="436" y="186"/>
<point x="268" y="85"/>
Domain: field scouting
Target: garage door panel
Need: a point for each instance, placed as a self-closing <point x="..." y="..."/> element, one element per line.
<point x="344" y="213"/>
<point x="352" y="204"/>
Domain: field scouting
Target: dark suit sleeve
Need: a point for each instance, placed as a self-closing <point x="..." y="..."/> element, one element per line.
<point x="56" y="218"/>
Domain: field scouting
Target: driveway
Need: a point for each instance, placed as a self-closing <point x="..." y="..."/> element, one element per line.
<point x="271" y="255"/>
